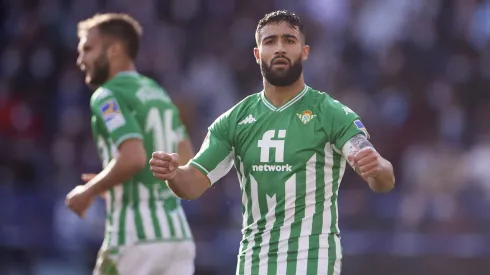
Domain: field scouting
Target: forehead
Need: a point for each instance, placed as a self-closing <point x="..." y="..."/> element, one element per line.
<point x="280" y="28"/>
<point x="89" y="37"/>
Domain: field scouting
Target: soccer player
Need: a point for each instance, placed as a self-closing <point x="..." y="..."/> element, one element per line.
<point x="132" y="116"/>
<point x="289" y="144"/>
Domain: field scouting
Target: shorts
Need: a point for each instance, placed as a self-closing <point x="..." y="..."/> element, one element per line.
<point x="162" y="258"/>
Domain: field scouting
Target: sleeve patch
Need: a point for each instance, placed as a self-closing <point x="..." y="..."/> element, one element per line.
<point x="111" y="113"/>
<point x="361" y="127"/>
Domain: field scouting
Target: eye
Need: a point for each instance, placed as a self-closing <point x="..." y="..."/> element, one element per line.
<point x="290" y="41"/>
<point x="268" y="42"/>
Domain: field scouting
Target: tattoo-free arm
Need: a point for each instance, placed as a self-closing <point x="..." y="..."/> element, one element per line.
<point x="369" y="164"/>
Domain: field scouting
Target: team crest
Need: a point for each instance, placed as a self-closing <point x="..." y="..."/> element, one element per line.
<point x="306" y="116"/>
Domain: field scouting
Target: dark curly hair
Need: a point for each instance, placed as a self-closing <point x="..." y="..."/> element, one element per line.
<point x="276" y="17"/>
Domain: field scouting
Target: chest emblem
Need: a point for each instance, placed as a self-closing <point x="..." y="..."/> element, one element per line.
<point x="306" y="116"/>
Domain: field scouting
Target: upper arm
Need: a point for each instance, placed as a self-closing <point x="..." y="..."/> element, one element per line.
<point x="133" y="150"/>
<point x="118" y="119"/>
<point x="342" y="124"/>
<point x="215" y="158"/>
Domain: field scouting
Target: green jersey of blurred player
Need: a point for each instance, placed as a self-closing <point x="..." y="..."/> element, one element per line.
<point x="289" y="144"/>
<point x="132" y="116"/>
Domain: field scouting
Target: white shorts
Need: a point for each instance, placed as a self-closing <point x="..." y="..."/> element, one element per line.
<point x="162" y="258"/>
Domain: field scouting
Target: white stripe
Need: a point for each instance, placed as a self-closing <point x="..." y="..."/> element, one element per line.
<point x="126" y="137"/>
<point x="338" y="262"/>
<point x="296" y="98"/>
<point x="255" y="209"/>
<point x="327" y="217"/>
<point x="270" y="218"/>
<point x="186" y="230"/>
<point x="285" y="231"/>
<point x="243" y="181"/>
<point x="116" y="215"/>
<point x="131" y="234"/>
<point x="307" y="222"/>
<point x="221" y="169"/>
<point x="200" y="166"/>
<point x="175" y="220"/>
<point x="145" y="211"/>
<point x="161" y="214"/>
<point x="266" y="102"/>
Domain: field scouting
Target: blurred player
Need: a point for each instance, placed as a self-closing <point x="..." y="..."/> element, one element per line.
<point x="289" y="144"/>
<point x="132" y="116"/>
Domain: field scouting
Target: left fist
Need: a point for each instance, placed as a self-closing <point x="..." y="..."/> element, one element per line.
<point x="79" y="200"/>
<point x="366" y="162"/>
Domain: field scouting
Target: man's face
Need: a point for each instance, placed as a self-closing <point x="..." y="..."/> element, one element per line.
<point x="280" y="53"/>
<point x="92" y="58"/>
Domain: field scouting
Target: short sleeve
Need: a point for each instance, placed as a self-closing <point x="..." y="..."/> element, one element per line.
<point x="116" y="116"/>
<point x="215" y="158"/>
<point x="344" y="124"/>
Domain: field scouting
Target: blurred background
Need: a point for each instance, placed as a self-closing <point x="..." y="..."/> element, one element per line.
<point x="416" y="71"/>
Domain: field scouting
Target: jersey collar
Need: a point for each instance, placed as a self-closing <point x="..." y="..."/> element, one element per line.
<point x="271" y="106"/>
<point x="127" y="73"/>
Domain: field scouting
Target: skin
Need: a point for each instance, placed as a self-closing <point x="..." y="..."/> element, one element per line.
<point x="101" y="58"/>
<point x="278" y="47"/>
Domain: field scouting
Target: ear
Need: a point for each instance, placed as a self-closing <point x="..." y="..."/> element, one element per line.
<point x="257" y="55"/>
<point x="115" y="50"/>
<point x="305" y="53"/>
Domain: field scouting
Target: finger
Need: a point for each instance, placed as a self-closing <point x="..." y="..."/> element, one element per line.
<point x="351" y="159"/>
<point x="367" y="167"/>
<point x="161" y="156"/>
<point x="370" y="173"/>
<point x="367" y="159"/>
<point x="174" y="163"/>
<point x="161" y="170"/>
<point x="364" y="152"/>
<point x="159" y="163"/>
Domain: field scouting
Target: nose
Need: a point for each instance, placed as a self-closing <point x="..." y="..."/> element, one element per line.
<point x="280" y="50"/>
<point x="79" y="61"/>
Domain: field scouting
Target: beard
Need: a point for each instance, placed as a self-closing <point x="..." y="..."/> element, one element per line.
<point x="100" y="71"/>
<point x="283" y="77"/>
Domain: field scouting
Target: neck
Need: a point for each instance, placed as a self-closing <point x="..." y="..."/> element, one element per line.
<point x="121" y="67"/>
<point x="279" y="95"/>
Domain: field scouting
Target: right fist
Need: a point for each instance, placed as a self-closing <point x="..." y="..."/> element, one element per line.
<point x="163" y="165"/>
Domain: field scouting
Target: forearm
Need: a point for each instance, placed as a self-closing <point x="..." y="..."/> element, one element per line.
<point x="115" y="173"/>
<point x="384" y="180"/>
<point x="188" y="183"/>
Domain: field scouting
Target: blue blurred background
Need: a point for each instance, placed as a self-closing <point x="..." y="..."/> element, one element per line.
<point x="417" y="71"/>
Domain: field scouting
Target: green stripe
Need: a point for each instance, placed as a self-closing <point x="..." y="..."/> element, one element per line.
<point x="182" y="228"/>
<point x="169" y="206"/>
<point x="153" y="213"/>
<point x="262" y="201"/>
<point x="335" y="188"/>
<point x="332" y="254"/>
<point x="299" y="211"/>
<point x="247" y="231"/>
<point x="137" y="214"/>
<point x="316" y="230"/>
<point x="110" y="217"/>
<point x="332" y="248"/>
<point x="275" y="234"/>
<point x="122" y="217"/>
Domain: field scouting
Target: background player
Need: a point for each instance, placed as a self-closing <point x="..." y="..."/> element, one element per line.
<point x="289" y="144"/>
<point x="146" y="229"/>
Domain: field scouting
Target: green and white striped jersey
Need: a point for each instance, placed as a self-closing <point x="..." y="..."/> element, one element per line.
<point x="290" y="163"/>
<point x="141" y="209"/>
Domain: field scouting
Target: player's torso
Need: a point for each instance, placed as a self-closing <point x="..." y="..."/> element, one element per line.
<point x="154" y="113"/>
<point x="275" y="146"/>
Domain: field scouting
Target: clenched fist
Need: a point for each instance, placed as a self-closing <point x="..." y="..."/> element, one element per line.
<point x="164" y="165"/>
<point x="366" y="162"/>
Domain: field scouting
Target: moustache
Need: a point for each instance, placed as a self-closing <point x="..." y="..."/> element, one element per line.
<point x="280" y="57"/>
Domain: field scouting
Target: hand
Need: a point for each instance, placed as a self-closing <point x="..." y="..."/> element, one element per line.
<point x="88" y="177"/>
<point x="163" y="165"/>
<point x="366" y="162"/>
<point x="79" y="200"/>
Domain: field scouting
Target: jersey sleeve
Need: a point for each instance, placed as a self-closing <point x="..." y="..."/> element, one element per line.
<point x="344" y="124"/>
<point x="116" y="117"/>
<point x="215" y="158"/>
